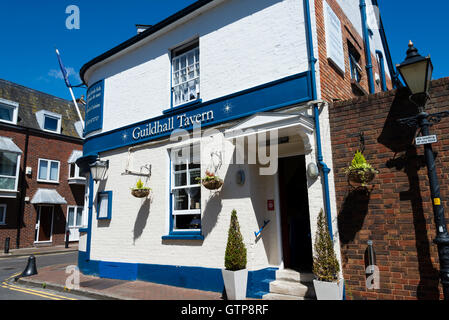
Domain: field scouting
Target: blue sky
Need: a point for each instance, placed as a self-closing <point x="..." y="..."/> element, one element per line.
<point x="30" y="30"/>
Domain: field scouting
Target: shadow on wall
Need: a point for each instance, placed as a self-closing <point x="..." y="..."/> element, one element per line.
<point x="399" y="139"/>
<point x="352" y="214"/>
<point x="141" y="220"/>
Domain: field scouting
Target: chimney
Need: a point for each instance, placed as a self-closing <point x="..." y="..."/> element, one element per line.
<point x="142" y="27"/>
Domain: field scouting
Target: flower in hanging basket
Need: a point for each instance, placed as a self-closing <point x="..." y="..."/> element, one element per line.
<point x="211" y="181"/>
<point x="360" y="170"/>
<point x="140" y="191"/>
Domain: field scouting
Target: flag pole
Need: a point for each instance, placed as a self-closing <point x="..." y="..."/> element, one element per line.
<point x="66" y="78"/>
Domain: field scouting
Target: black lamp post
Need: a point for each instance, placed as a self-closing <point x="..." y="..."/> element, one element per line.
<point x="417" y="74"/>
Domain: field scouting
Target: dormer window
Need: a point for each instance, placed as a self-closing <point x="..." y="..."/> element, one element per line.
<point x="49" y="121"/>
<point x="8" y="111"/>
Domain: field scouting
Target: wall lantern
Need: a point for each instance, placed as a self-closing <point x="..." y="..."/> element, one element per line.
<point x="416" y="71"/>
<point x="98" y="169"/>
<point x="312" y="170"/>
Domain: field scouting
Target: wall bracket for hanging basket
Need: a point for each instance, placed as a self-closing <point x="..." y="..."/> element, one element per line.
<point x="147" y="167"/>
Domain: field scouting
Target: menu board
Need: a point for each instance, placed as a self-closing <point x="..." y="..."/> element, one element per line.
<point x="94" y="107"/>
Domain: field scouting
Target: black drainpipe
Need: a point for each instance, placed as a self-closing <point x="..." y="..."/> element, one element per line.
<point x="21" y="212"/>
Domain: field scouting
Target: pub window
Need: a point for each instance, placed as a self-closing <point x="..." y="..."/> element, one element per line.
<point x="186" y="189"/>
<point x="186" y="74"/>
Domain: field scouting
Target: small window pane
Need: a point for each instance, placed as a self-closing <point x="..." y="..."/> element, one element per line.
<point x="6" y="113"/>
<point x="51" y="123"/>
<point x="72" y="170"/>
<point x="195" y="198"/>
<point x="194" y="176"/>
<point x="71" y="217"/>
<point x="180" y="179"/>
<point x="2" y="214"/>
<point x="8" y="164"/>
<point x="79" y="217"/>
<point x="181" y="201"/>
<point x="187" y="222"/>
<point x="43" y="170"/>
<point x="54" y="170"/>
<point x="103" y="206"/>
<point x="7" y="183"/>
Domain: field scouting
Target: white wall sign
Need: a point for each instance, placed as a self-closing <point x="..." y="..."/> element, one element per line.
<point x="334" y="38"/>
<point x="426" y="140"/>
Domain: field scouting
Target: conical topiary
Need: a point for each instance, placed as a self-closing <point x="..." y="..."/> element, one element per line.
<point x="235" y="256"/>
<point x="325" y="263"/>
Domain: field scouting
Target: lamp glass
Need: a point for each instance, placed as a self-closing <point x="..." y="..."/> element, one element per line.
<point x="98" y="170"/>
<point x="415" y="75"/>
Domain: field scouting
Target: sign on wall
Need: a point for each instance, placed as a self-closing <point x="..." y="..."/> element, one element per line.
<point x="334" y="38"/>
<point x="94" y="107"/>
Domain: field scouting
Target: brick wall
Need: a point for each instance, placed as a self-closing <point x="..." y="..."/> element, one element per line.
<point x="47" y="147"/>
<point x="335" y="84"/>
<point x="396" y="214"/>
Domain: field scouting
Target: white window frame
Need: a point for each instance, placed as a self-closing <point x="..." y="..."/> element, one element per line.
<point x="174" y="212"/>
<point x="12" y="105"/>
<point x="16" y="184"/>
<point x="75" y="211"/>
<point x="47" y="180"/>
<point x="40" y="116"/>
<point x="176" y="58"/>
<point x="5" y="207"/>
<point x="77" y="172"/>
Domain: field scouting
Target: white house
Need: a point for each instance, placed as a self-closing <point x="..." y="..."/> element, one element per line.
<point x="233" y="74"/>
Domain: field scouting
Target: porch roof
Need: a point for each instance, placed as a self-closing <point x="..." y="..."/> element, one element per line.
<point x="47" y="196"/>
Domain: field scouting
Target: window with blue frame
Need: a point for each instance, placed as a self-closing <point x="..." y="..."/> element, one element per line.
<point x="104" y="205"/>
<point x="185" y="189"/>
<point x="186" y="74"/>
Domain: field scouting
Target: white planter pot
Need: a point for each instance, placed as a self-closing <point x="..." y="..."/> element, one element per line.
<point x="328" y="290"/>
<point x="235" y="283"/>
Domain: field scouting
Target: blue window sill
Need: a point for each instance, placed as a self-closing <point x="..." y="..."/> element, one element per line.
<point x="183" y="106"/>
<point x="83" y="230"/>
<point x="183" y="237"/>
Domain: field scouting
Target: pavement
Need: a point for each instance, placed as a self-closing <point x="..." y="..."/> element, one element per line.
<point x="14" y="253"/>
<point x="55" y="277"/>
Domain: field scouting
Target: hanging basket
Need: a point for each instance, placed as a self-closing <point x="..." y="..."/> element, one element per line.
<point x="361" y="176"/>
<point x="213" y="184"/>
<point x="140" y="193"/>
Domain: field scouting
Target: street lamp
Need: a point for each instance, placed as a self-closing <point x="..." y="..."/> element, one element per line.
<point x="417" y="74"/>
<point x="98" y="169"/>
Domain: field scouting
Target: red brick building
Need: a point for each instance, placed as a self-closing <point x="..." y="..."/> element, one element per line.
<point x="395" y="212"/>
<point x="41" y="191"/>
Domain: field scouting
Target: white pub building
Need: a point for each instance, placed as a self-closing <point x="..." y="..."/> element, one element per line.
<point x="235" y="88"/>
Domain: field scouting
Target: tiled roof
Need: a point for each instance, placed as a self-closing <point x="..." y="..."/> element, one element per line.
<point x="31" y="101"/>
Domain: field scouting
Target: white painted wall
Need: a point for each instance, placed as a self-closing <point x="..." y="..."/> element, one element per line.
<point x="243" y="43"/>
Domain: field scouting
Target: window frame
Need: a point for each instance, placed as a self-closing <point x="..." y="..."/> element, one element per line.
<point x="77" y="172"/>
<point x="5" y="206"/>
<point x="58" y="119"/>
<point x="15" y="110"/>
<point x="75" y="211"/>
<point x="16" y="177"/>
<point x="48" y="171"/>
<point x="178" y="53"/>
<point x="109" y="210"/>
<point x="187" y="186"/>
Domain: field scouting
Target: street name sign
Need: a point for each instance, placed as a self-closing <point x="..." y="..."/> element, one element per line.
<point x="426" y="140"/>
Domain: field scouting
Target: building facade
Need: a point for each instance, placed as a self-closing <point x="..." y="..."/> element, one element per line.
<point x="42" y="193"/>
<point x="238" y="89"/>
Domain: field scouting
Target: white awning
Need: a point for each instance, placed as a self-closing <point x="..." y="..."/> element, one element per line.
<point x="7" y="145"/>
<point x="47" y="196"/>
<point x="76" y="154"/>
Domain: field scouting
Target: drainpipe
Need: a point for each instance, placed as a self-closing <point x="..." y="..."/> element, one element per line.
<point x="382" y="70"/>
<point x="23" y="188"/>
<point x="369" y="65"/>
<point x="393" y="74"/>
<point x="324" y="168"/>
<point x="321" y="164"/>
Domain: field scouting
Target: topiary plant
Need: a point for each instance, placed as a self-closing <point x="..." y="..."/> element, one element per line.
<point x="235" y="256"/>
<point x="325" y="263"/>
